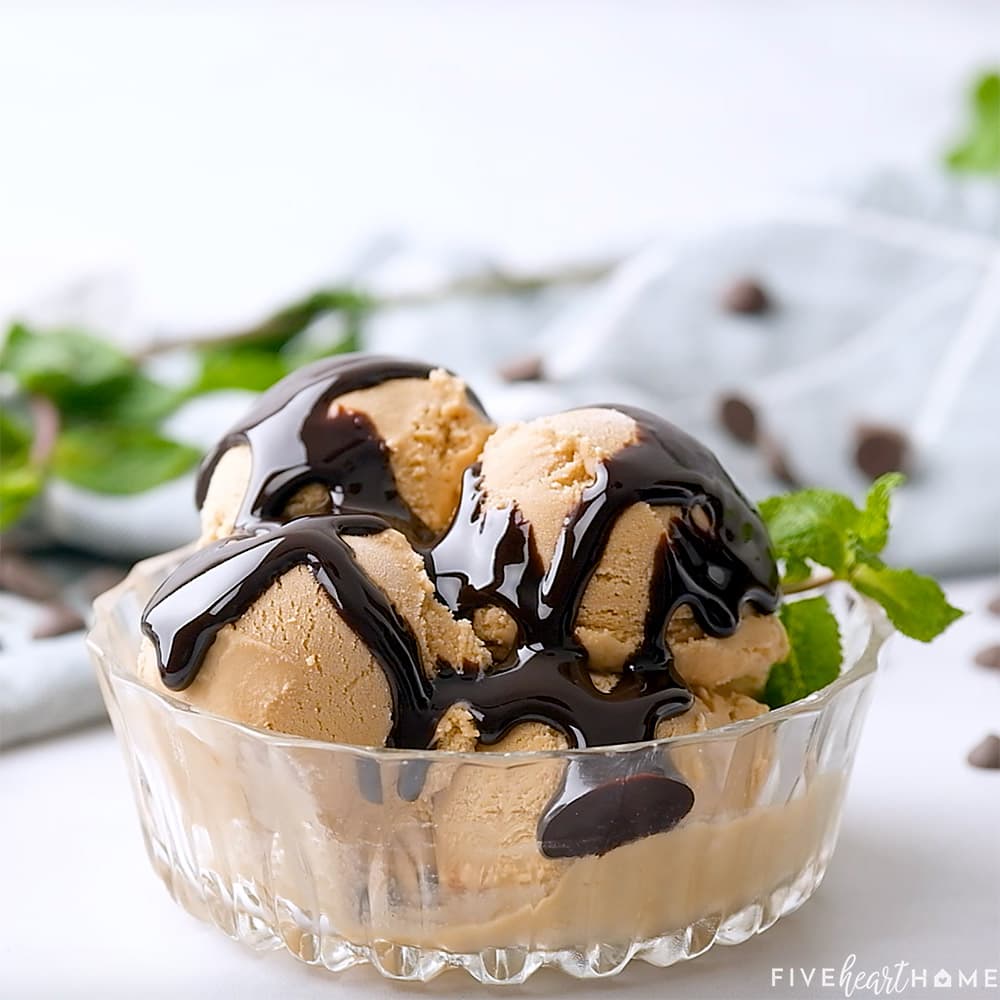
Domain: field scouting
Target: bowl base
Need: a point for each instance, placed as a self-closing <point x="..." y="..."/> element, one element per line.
<point x="264" y="925"/>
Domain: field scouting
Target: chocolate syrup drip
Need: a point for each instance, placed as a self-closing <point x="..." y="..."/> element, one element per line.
<point x="604" y="802"/>
<point x="295" y="440"/>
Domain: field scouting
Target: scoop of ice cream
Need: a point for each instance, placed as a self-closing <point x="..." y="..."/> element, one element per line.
<point x="292" y="664"/>
<point x="542" y="469"/>
<point x="728" y="775"/>
<point x="741" y="661"/>
<point x="476" y="853"/>
<point x="430" y="427"/>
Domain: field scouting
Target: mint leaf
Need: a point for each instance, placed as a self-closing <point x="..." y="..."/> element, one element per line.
<point x="106" y="458"/>
<point x="20" y="482"/>
<point x="812" y="524"/>
<point x="873" y="527"/>
<point x="84" y="376"/>
<point x="141" y="400"/>
<point x="814" y="657"/>
<point x="305" y="332"/>
<point x="825" y="528"/>
<point x="915" y="604"/>
<point x="979" y="151"/>
<point x="238" y="367"/>
<point x="67" y="366"/>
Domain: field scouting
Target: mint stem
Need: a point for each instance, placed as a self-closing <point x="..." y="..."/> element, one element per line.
<point x="45" y="429"/>
<point x="811" y="584"/>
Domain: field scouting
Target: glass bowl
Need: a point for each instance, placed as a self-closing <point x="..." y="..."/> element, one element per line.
<point x="420" y="861"/>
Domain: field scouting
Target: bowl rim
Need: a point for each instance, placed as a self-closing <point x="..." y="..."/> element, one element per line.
<point x="866" y="664"/>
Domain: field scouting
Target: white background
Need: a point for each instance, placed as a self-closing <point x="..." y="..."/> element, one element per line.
<point x="229" y="154"/>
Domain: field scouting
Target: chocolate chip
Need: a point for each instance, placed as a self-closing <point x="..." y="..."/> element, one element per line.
<point x="747" y="297"/>
<point x="739" y="418"/>
<point x="986" y="753"/>
<point x="57" y="619"/>
<point x="879" y="449"/>
<point x="22" y="577"/>
<point x="527" y="368"/>
<point x="777" y="462"/>
<point x="994" y="606"/>
<point x="989" y="657"/>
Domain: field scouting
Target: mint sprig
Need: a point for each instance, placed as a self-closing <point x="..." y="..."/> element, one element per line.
<point x="821" y="536"/>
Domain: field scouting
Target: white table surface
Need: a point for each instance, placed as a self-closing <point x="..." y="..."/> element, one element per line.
<point x="916" y="877"/>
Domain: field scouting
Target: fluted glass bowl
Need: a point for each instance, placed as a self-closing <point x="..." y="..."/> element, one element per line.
<point x="420" y="861"/>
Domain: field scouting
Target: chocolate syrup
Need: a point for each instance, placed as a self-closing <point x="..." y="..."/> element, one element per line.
<point x="606" y="802"/>
<point x="714" y="561"/>
<point x="295" y="440"/>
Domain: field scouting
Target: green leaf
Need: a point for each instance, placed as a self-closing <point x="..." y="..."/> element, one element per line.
<point x="142" y="400"/>
<point x="814" y="657"/>
<point x="85" y="377"/>
<point x="238" y="367"/>
<point x="70" y="367"/>
<point x="915" y="604"/>
<point x="873" y="527"/>
<point x="119" y="460"/>
<point x="258" y="363"/>
<point x="979" y="151"/>
<point x="20" y="482"/>
<point x="811" y="524"/>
